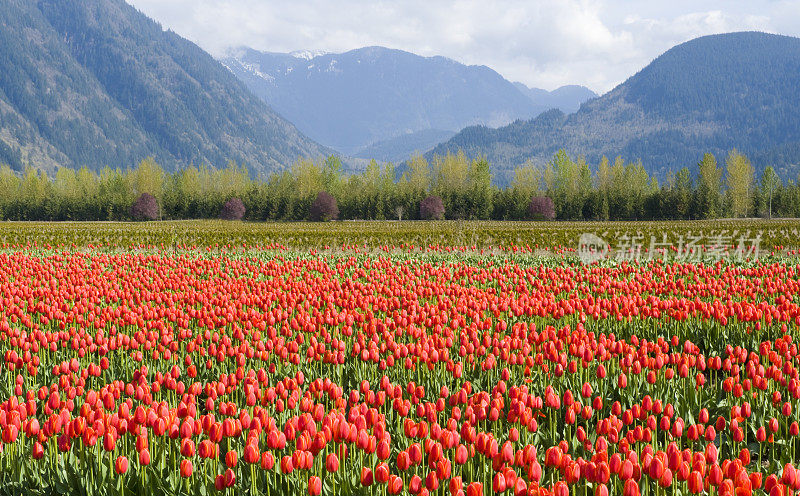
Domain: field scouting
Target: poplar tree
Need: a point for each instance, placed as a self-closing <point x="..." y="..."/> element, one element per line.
<point x="709" y="186"/>
<point x="740" y="183"/>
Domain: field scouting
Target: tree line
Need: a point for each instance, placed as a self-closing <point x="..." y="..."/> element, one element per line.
<point x="564" y="188"/>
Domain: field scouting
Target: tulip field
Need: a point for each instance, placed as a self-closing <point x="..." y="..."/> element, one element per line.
<point x="272" y="371"/>
<point x="491" y="236"/>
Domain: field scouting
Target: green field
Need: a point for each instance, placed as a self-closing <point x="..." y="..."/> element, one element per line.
<point x="775" y="235"/>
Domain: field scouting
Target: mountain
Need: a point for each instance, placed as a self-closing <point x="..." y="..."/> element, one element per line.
<point x="400" y="148"/>
<point x="357" y="100"/>
<point x="710" y="94"/>
<point x="568" y="98"/>
<point x="97" y="83"/>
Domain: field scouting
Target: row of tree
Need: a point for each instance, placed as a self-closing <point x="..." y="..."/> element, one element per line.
<point x="618" y="190"/>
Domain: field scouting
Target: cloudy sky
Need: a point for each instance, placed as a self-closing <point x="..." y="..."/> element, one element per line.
<point x="544" y="43"/>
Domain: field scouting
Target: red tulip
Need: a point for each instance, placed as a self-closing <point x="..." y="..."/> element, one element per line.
<point x="395" y="484"/>
<point x="755" y="480"/>
<point x="314" y="485"/>
<point x="121" y="464"/>
<point x="711" y="454"/>
<point x="383" y="450"/>
<point x="656" y="468"/>
<point x="475" y="489"/>
<point x="230" y="478"/>
<point x="789" y="475"/>
<point x="431" y="481"/>
<point x="382" y="473"/>
<point x="666" y="478"/>
<point x="251" y="454"/>
<point x="38" y="451"/>
<point x="560" y="489"/>
<point x="187" y="447"/>
<point x="631" y="488"/>
<point x="109" y="442"/>
<point x="366" y="477"/>
<point x="715" y="475"/>
<point x="460" y="456"/>
<point x="231" y="458"/>
<point x="415" y="484"/>
<point x="331" y="462"/>
<point x="498" y="483"/>
<point x="186" y="468"/>
<point x="626" y="470"/>
<point x="267" y="461"/>
<point x="286" y="464"/>
<point x="520" y="487"/>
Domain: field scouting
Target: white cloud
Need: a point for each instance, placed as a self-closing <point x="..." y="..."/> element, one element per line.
<point x="546" y="43"/>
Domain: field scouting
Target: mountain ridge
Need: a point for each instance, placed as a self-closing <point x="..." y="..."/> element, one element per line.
<point x="97" y="83"/>
<point x="567" y="98"/>
<point x="710" y="94"/>
<point x="359" y="98"/>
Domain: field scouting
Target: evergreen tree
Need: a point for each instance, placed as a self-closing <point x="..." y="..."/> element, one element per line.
<point x="682" y="191"/>
<point x="479" y="194"/>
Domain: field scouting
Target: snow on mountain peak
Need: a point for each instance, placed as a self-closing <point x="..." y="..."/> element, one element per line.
<point x="308" y="54"/>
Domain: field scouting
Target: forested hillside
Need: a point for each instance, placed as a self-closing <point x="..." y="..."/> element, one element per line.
<point x="97" y="83"/>
<point x="710" y="94"/>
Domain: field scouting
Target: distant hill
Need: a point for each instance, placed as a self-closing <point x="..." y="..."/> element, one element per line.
<point x="383" y="101"/>
<point x="567" y="99"/>
<point x="710" y="94"/>
<point x="96" y="83"/>
<point x="401" y="147"/>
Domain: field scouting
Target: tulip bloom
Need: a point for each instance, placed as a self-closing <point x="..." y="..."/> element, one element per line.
<point x="314" y="485"/>
<point x="498" y="483"/>
<point x="475" y="489"/>
<point x="382" y="473"/>
<point x="366" y="477"/>
<point x="38" y="451"/>
<point x="631" y="488"/>
<point x="251" y="454"/>
<point x="267" y="460"/>
<point x="229" y="477"/>
<point x="332" y="462"/>
<point x="144" y="457"/>
<point x="460" y="457"/>
<point x="186" y="468"/>
<point x="121" y="464"/>
<point x="560" y="489"/>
